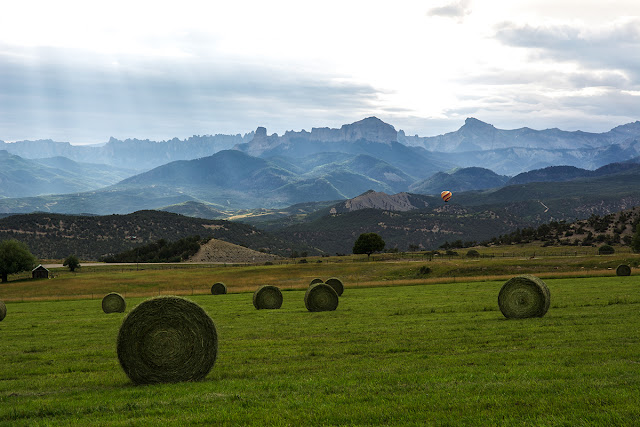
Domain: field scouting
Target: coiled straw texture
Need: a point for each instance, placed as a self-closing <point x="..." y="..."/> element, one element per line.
<point x="113" y="303"/>
<point x="321" y="297"/>
<point x="524" y="296"/>
<point x="165" y="340"/>
<point x="267" y="297"/>
<point x="336" y="284"/>
<point x="218" y="289"/>
<point x="623" y="270"/>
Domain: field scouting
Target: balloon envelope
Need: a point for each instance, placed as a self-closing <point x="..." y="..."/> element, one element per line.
<point x="446" y="195"/>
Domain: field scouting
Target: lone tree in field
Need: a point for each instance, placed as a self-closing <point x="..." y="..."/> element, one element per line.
<point x="368" y="243"/>
<point x="72" y="262"/>
<point x="14" y="258"/>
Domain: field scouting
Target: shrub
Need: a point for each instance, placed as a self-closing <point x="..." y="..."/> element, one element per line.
<point x="606" y="250"/>
<point x="167" y="339"/>
<point x="472" y="253"/>
<point x="524" y="296"/>
<point x="424" y="270"/>
<point x="113" y="303"/>
<point x="267" y="297"/>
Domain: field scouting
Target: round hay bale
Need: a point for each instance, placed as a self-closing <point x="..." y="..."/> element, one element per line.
<point x="113" y="303"/>
<point x="167" y="339"/>
<point x="336" y="284"/>
<point x="321" y="297"/>
<point x="524" y="296"/>
<point x="3" y="310"/>
<point x="316" y="280"/>
<point x="268" y="297"/>
<point x="218" y="289"/>
<point x="623" y="270"/>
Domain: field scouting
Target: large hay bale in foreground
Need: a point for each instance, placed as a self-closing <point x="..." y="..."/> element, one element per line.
<point x="623" y="270"/>
<point x="524" y="296"/>
<point x="321" y="297"/>
<point x="167" y="339"/>
<point x="336" y="284"/>
<point x="218" y="289"/>
<point x="267" y="297"/>
<point x="113" y="303"/>
<point x="316" y="280"/>
<point x="3" y="310"/>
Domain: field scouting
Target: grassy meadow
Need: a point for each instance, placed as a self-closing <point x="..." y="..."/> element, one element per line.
<point x="401" y="349"/>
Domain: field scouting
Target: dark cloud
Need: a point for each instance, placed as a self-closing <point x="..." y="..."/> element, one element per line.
<point x="611" y="47"/>
<point x="596" y="111"/>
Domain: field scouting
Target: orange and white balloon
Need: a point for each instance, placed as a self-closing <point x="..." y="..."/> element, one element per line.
<point x="446" y="195"/>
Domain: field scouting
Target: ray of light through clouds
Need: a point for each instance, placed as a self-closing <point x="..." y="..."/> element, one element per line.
<point x="84" y="71"/>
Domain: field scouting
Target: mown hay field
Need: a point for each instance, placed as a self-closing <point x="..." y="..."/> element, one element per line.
<point x="427" y="354"/>
<point x="355" y="271"/>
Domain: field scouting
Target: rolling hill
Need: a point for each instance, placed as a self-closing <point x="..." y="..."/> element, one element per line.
<point x="56" y="236"/>
<point x="427" y="222"/>
<point x="462" y="179"/>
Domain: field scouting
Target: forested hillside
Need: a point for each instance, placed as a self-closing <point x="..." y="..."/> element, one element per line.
<point x="56" y="236"/>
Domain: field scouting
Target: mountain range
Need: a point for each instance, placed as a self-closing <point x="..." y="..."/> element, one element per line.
<point x="21" y="177"/>
<point x="135" y="154"/>
<point x="224" y="174"/>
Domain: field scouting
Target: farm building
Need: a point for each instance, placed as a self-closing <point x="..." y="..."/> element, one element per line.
<point x="40" y="272"/>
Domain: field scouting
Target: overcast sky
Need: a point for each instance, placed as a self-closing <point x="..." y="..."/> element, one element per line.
<point x="83" y="71"/>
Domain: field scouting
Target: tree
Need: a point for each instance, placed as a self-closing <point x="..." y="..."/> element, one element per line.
<point x="72" y="262"/>
<point x="368" y="243"/>
<point x="635" y="241"/>
<point x="14" y="258"/>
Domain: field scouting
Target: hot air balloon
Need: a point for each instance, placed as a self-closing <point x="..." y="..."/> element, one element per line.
<point x="446" y="195"/>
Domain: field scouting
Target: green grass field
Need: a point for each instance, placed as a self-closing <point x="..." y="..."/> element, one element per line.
<point x="426" y="354"/>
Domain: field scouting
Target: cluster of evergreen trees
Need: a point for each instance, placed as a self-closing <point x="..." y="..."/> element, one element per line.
<point x="160" y="251"/>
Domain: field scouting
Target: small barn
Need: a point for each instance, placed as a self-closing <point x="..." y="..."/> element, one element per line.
<point x="40" y="272"/>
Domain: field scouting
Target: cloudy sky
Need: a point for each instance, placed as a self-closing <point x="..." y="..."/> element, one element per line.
<point x="81" y="71"/>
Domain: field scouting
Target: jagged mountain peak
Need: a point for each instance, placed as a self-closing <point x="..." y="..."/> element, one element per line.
<point x="473" y="123"/>
<point x="370" y="129"/>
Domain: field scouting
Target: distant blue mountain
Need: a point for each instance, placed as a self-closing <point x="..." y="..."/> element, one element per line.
<point x="21" y="177"/>
<point x="259" y="170"/>
<point x="463" y="179"/>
